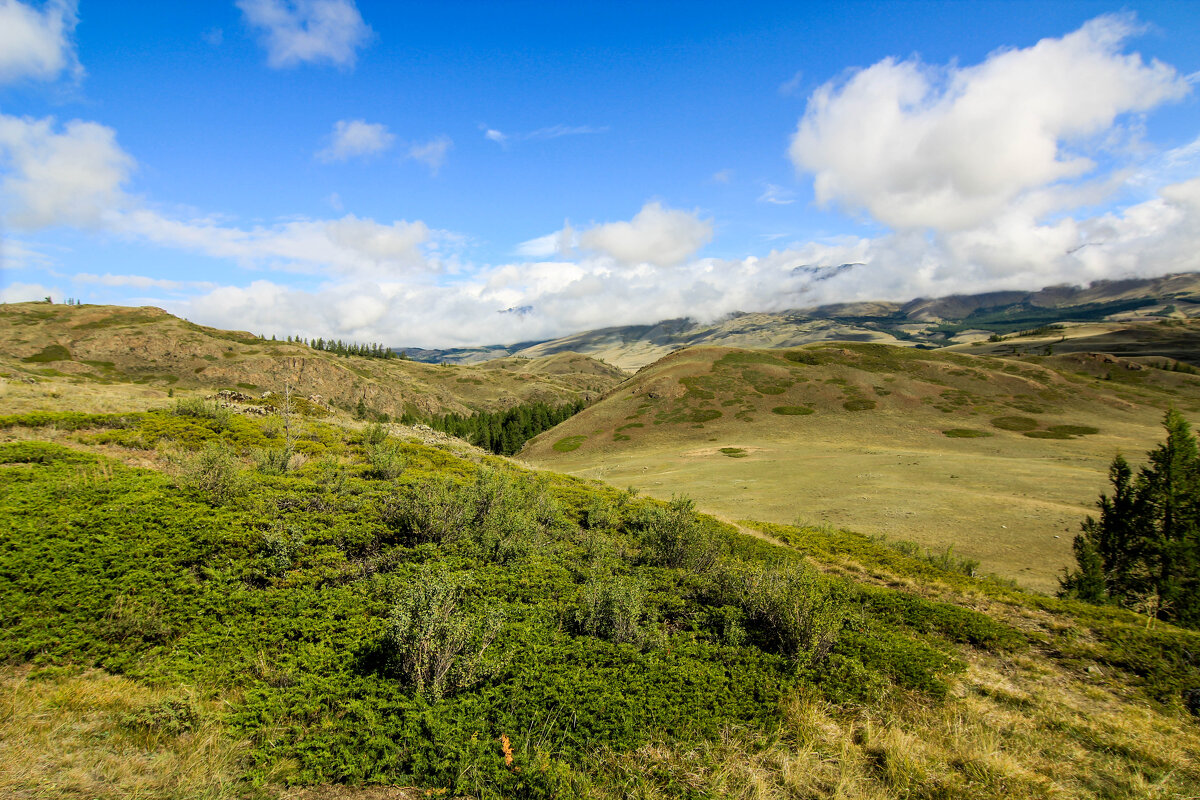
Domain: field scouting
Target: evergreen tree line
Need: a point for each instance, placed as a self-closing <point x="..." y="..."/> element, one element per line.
<point x="1143" y="552"/>
<point x="338" y="347"/>
<point x="506" y="432"/>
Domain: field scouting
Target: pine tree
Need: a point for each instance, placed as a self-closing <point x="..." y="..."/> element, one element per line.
<point x="1144" y="550"/>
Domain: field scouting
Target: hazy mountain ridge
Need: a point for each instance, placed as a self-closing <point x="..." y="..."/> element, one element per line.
<point x="922" y="321"/>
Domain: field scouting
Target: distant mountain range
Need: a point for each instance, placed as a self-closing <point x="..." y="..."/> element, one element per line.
<point x="929" y="322"/>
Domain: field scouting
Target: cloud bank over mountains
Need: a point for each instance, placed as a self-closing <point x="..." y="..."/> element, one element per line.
<point x="977" y="177"/>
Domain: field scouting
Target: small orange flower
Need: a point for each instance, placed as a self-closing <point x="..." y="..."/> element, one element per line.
<point x="506" y="746"/>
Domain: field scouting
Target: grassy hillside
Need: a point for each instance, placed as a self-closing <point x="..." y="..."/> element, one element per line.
<point x="95" y="358"/>
<point x="999" y="457"/>
<point x="379" y="612"/>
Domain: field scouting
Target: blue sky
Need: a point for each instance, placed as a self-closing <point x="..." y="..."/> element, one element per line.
<point x="465" y="173"/>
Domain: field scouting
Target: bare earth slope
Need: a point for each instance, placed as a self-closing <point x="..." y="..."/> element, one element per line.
<point x="999" y="457"/>
<point x="100" y="356"/>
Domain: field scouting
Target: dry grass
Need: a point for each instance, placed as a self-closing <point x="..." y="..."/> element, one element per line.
<point x="1015" y="729"/>
<point x="70" y="736"/>
<point x="1009" y="501"/>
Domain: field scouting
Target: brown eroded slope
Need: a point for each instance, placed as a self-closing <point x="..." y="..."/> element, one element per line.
<point x="103" y="357"/>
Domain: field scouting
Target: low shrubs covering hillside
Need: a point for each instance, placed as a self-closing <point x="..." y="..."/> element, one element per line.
<point x="455" y="624"/>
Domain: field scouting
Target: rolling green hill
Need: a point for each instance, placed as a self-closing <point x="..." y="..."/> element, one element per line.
<point x="999" y="458"/>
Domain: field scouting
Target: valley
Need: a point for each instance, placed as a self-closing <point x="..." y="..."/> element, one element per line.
<point x="806" y="560"/>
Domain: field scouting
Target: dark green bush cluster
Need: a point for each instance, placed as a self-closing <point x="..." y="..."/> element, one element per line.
<point x="390" y="631"/>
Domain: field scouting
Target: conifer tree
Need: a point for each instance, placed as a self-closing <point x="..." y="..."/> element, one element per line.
<point x="1144" y="550"/>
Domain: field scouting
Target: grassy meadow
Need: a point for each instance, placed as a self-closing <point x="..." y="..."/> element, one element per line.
<point x="999" y="458"/>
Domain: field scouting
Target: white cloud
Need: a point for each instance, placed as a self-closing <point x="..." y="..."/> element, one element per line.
<point x="557" y="131"/>
<point x="541" y="134"/>
<point x="139" y="281"/>
<point x="356" y="138"/>
<point x="432" y="153"/>
<point x="777" y="195"/>
<point x="949" y="148"/>
<point x="722" y="176"/>
<point x="37" y="44"/>
<point x="75" y="176"/>
<point x="26" y="292"/>
<point x="655" y="235"/>
<point x="792" y="84"/>
<point x="72" y="177"/>
<point x="348" y="246"/>
<point x="564" y="296"/>
<point x="560" y="243"/>
<point x="296" y="32"/>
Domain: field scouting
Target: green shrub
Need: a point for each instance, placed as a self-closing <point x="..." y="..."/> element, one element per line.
<point x="494" y="517"/>
<point x="51" y="352"/>
<point x="432" y="643"/>
<point x="600" y="514"/>
<point x="734" y="452"/>
<point x="858" y="404"/>
<point x="200" y="408"/>
<point x="170" y="717"/>
<point x="212" y="471"/>
<point x="612" y="607"/>
<point x="1047" y="435"/>
<point x="1074" y="430"/>
<point x="966" y="433"/>
<point x="386" y="459"/>
<point x="568" y="443"/>
<point x="790" y="604"/>
<point x="672" y="536"/>
<point x="374" y="434"/>
<point x="273" y="460"/>
<point x="791" y="411"/>
<point x="1015" y="423"/>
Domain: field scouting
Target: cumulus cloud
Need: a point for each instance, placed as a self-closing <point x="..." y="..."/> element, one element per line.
<point x="72" y="176"/>
<point x="356" y="138"/>
<point x="37" y="44"/>
<point x="432" y="153"/>
<point x="656" y="235"/>
<point x="296" y="32"/>
<point x="918" y="146"/>
<point x="75" y="176"/>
